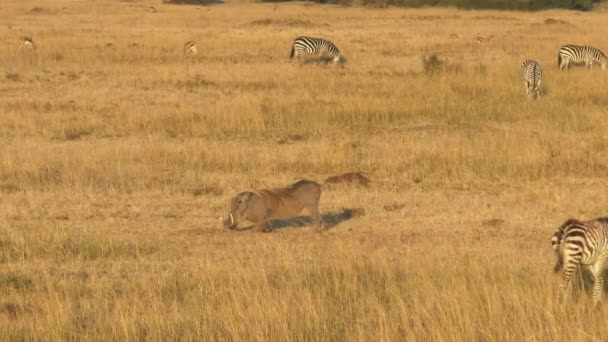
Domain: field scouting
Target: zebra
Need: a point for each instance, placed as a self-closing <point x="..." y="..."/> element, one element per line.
<point x="313" y="46"/>
<point x="577" y="54"/>
<point x="532" y="75"/>
<point x="190" y="49"/>
<point x="582" y="243"/>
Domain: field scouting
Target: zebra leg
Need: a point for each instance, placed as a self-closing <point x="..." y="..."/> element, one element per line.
<point x="321" y="56"/>
<point x="297" y="58"/>
<point x="598" y="285"/>
<point x="570" y="266"/>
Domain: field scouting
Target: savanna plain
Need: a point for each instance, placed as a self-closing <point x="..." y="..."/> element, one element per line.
<point x="118" y="156"/>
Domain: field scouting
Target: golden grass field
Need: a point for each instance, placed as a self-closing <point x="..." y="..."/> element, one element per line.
<point x="118" y="156"/>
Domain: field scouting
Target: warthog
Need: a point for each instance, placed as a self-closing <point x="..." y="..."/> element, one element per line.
<point x="260" y="206"/>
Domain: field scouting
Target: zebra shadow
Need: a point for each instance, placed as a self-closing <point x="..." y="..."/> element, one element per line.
<point x="544" y="91"/>
<point x="323" y="60"/>
<point x="328" y="220"/>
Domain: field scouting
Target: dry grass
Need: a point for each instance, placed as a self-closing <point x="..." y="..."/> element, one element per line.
<point x="118" y="156"/>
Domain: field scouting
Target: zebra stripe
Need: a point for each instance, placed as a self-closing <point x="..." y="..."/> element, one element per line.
<point x="582" y="244"/>
<point x="532" y="75"/>
<point x="312" y="46"/>
<point x="576" y="54"/>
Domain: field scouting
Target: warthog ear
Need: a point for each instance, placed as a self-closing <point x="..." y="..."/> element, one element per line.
<point x="247" y="196"/>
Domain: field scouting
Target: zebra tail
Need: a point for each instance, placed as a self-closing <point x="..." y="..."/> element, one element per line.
<point x="293" y="51"/>
<point x="556" y="242"/>
<point x="559" y="60"/>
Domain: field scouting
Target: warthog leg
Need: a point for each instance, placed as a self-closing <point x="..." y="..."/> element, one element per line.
<point x="264" y="227"/>
<point x="316" y="216"/>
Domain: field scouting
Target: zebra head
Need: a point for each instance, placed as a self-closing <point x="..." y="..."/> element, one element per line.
<point x="532" y="91"/>
<point x="602" y="59"/>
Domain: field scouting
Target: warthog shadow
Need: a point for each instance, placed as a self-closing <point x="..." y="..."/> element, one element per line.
<point x="328" y="220"/>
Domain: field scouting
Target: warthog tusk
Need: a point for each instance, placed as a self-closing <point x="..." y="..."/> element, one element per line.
<point x="231" y="220"/>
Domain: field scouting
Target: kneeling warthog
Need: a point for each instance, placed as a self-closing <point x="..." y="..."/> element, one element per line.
<point x="260" y="206"/>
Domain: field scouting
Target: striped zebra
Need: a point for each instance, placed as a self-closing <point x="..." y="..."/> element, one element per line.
<point x="582" y="244"/>
<point x="532" y="75"/>
<point x="315" y="46"/>
<point x="190" y="49"/>
<point x="577" y="54"/>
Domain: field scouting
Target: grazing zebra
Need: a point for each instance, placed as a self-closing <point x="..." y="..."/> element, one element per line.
<point x="190" y="49"/>
<point x="314" y="46"/>
<point x="577" y="54"/>
<point x="582" y="243"/>
<point x="532" y="75"/>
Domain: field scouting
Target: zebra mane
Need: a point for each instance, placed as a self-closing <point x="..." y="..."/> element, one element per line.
<point x="570" y="222"/>
<point x="603" y="220"/>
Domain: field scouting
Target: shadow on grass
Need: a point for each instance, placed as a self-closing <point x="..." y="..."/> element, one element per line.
<point x="319" y="60"/>
<point x="329" y="220"/>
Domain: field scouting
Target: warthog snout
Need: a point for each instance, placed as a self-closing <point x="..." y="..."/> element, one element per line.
<point x="229" y="222"/>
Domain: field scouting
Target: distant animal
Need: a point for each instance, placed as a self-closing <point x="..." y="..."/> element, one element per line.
<point x="260" y="206"/>
<point x="482" y="40"/>
<point x="456" y="35"/>
<point x="532" y="75"/>
<point x="350" y="177"/>
<point x="576" y="54"/>
<point x="27" y="43"/>
<point x="315" y="46"/>
<point x="578" y="244"/>
<point x="190" y="49"/>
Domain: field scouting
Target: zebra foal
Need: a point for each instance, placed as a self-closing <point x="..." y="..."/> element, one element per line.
<point x="582" y="244"/>
<point x="532" y="75"/>
<point x="315" y="46"/>
<point x="576" y="54"/>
